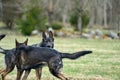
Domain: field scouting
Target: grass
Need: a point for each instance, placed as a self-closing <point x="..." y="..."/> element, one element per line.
<point x="102" y="64"/>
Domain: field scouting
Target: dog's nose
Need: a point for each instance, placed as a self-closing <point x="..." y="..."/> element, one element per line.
<point x="49" y="46"/>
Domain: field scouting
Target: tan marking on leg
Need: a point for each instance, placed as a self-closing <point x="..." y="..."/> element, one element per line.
<point x="62" y="77"/>
<point x="26" y="75"/>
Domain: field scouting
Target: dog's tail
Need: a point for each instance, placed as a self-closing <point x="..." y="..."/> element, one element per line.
<point x="75" y="55"/>
<point x="2" y="50"/>
<point x="2" y="36"/>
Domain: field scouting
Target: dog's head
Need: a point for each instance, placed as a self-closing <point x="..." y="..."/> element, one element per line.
<point x="2" y="36"/>
<point x="21" y="45"/>
<point x="47" y="41"/>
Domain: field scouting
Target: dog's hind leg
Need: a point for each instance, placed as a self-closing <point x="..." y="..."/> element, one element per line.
<point x="38" y="73"/>
<point x="26" y="74"/>
<point x="56" y="71"/>
<point x="5" y="72"/>
<point x="58" y="74"/>
<point x="55" y="66"/>
<point x="61" y="76"/>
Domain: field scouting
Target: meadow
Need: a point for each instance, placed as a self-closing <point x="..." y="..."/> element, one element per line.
<point x="102" y="64"/>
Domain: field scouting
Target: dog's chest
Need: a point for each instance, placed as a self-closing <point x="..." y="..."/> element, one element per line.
<point x="23" y="57"/>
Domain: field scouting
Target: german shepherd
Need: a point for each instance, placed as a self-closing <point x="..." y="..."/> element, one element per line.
<point x="29" y="57"/>
<point x="10" y="56"/>
<point x="10" y="61"/>
<point x="47" y="41"/>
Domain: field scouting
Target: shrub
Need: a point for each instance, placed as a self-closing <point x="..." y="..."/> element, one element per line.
<point x="57" y="25"/>
<point x="85" y="20"/>
<point x="26" y="27"/>
<point x="74" y="19"/>
<point x="33" y="19"/>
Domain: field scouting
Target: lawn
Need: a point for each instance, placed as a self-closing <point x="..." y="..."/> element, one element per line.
<point x="102" y="64"/>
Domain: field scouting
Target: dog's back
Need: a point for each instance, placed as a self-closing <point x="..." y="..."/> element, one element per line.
<point x="40" y="53"/>
<point x="31" y="56"/>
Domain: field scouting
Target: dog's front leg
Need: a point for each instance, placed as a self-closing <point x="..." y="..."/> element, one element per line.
<point x="5" y="72"/>
<point x="38" y="73"/>
<point x="26" y="74"/>
<point x="2" y="70"/>
<point x="19" y="74"/>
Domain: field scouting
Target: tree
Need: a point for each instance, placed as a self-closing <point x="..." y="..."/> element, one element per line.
<point x="80" y="7"/>
<point x="9" y="11"/>
<point x="32" y="19"/>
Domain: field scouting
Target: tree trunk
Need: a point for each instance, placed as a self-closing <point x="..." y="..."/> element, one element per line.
<point x="64" y="18"/>
<point x="99" y="16"/>
<point x="79" y="26"/>
<point x="105" y="14"/>
<point x="0" y="8"/>
<point x="119" y="23"/>
<point x="99" y="13"/>
<point x="64" y="15"/>
<point x="9" y="24"/>
<point x="50" y="12"/>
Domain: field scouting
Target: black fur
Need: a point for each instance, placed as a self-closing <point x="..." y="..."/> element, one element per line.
<point x="10" y="54"/>
<point x="10" y="59"/>
<point x="2" y="36"/>
<point x="40" y="55"/>
<point x="47" y="41"/>
<point x="74" y="55"/>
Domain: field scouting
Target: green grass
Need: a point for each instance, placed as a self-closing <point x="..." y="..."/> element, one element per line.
<point x="102" y="64"/>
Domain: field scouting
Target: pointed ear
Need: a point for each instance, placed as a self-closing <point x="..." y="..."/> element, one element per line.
<point x="16" y="42"/>
<point x="43" y="35"/>
<point x="26" y="41"/>
<point x="50" y="34"/>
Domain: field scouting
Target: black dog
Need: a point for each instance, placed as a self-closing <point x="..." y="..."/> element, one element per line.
<point x="10" y="56"/>
<point x="10" y="61"/>
<point x="29" y="57"/>
<point x="47" y="41"/>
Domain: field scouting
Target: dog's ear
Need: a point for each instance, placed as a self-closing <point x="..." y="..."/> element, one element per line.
<point x="16" y="42"/>
<point x="44" y="35"/>
<point x="26" y="41"/>
<point x="50" y="34"/>
<point x="2" y="36"/>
